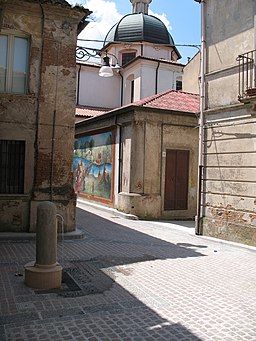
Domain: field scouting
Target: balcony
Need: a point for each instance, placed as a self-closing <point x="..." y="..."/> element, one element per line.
<point x="247" y="76"/>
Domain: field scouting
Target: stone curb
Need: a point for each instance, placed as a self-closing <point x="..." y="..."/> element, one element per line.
<point x="106" y="209"/>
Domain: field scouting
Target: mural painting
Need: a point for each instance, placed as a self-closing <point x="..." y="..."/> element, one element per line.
<point x="93" y="165"/>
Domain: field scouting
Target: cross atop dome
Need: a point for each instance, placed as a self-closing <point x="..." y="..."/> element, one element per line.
<point x="140" y="6"/>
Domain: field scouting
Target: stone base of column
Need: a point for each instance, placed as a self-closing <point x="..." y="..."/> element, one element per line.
<point x="43" y="277"/>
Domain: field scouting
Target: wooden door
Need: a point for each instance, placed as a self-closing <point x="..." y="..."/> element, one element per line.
<point x="176" y="179"/>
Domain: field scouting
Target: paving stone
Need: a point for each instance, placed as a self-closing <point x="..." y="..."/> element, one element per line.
<point x="132" y="280"/>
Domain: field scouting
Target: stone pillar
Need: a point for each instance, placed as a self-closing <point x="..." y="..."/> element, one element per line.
<point x="46" y="234"/>
<point x="45" y="272"/>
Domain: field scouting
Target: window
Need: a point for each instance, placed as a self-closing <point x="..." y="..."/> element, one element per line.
<point x="126" y="57"/>
<point x="178" y="85"/>
<point x="132" y="91"/>
<point x="12" y="159"/>
<point x="13" y="63"/>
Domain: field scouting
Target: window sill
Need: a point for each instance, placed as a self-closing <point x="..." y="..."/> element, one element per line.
<point x="10" y="96"/>
<point x="14" y="196"/>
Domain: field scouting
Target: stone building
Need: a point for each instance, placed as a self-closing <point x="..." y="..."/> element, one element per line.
<point x="141" y="158"/>
<point x="228" y="195"/>
<point x="37" y="106"/>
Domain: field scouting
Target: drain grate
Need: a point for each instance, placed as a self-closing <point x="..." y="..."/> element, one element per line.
<point x="83" y="279"/>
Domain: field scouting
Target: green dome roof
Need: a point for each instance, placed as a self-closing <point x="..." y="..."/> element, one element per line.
<point x="139" y="27"/>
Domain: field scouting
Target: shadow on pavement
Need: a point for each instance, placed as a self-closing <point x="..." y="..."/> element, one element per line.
<point x="91" y="305"/>
<point x="129" y="242"/>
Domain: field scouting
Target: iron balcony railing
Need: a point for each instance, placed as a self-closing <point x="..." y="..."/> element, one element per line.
<point x="247" y="75"/>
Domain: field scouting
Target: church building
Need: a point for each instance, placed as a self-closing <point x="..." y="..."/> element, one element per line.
<point x="136" y="146"/>
<point x="143" y="62"/>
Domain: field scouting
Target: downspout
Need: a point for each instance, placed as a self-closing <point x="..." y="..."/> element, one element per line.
<point x="198" y="227"/>
<point x="122" y="89"/>
<point x="38" y="99"/>
<point x="119" y="129"/>
<point x="156" y="82"/>
<point x="54" y="125"/>
<point x="120" y="159"/>
<point x="78" y="85"/>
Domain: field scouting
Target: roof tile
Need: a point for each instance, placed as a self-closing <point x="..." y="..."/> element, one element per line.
<point x="172" y="100"/>
<point x="90" y="111"/>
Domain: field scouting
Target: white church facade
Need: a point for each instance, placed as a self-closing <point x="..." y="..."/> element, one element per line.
<point x="136" y="145"/>
<point x="143" y="58"/>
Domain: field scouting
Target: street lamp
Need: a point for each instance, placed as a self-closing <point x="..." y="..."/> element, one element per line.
<point x="106" y="69"/>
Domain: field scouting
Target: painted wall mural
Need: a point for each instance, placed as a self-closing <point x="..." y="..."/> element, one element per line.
<point x="93" y="165"/>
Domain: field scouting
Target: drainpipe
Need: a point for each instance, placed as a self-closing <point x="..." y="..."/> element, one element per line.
<point x="122" y="89"/>
<point x="78" y="85"/>
<point x="39" y="92"/>
<point x="119" y="132"/>
<point x="54" y="125"/>
<point x="198" y="227"/>
<point x="156" y="82"/>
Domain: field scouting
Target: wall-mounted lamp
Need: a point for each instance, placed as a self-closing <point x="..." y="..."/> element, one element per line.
<point x="107" y="70"/>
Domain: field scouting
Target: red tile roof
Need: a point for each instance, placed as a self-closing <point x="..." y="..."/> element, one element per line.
<point x="168" y="100"/>
<point x="172" y="100"/>
<point x="88" y="112"/>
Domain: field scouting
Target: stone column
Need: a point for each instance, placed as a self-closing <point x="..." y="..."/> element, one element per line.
<point x="46" y="234"/>
<point x="45" y="272"/>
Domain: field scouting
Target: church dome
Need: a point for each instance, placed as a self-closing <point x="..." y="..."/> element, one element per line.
<point x="139" y="27"/>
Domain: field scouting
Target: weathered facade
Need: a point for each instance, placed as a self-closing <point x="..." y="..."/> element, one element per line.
<point x="153" y="172"/>
<point x="37" y="107"/>
<point x="228" y="198"/>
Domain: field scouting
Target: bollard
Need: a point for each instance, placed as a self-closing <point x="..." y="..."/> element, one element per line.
<point x="45" y="272"/>
<point x="46" y="234"/>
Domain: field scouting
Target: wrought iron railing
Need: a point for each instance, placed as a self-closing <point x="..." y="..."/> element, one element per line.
<point x="85" y="53"/>
<point x="247" y="75"/>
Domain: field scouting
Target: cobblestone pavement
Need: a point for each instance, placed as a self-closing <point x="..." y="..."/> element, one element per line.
<point x="132" y="280"/>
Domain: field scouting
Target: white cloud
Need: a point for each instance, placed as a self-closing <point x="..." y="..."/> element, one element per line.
<point x="163" y="18"/>
<point x="104" y="16"/>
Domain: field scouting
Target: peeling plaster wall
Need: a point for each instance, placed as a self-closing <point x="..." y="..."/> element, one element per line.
<point x="151" y="133"/>
<point x="44" y="117"/>
<point x="230" y="176"/>
<point x="229" y="179"/>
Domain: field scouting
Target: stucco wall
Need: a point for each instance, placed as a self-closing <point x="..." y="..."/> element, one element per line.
<point x="191" y="75"/>
<point x="150" y="77"/>
<point x="229" y="181"/>
<point x="229" y="33"/>
<point x="96" y="91"/>
<point x="230" y="176"/>
<point x="44" y="116"/>
<point x="152" y="133"/>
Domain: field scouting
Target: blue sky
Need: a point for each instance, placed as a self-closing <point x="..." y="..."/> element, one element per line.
<point x="182" y="18"/>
